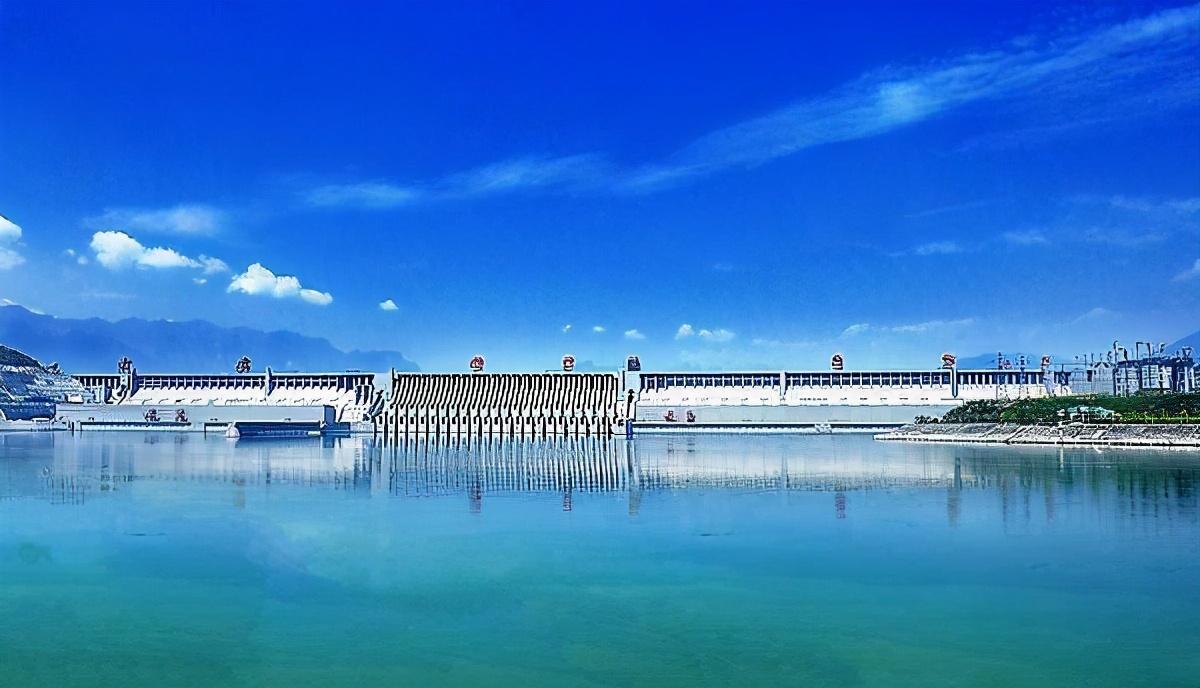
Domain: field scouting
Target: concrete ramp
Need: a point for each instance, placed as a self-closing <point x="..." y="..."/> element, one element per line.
<point x="498" y="405"/>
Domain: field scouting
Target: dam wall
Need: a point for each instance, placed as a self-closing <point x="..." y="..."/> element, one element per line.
<point x="505" y="405"/>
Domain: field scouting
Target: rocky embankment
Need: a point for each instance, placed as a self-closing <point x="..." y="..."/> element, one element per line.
<point x="1124" y="435"/>
<point x="29" y="390"/>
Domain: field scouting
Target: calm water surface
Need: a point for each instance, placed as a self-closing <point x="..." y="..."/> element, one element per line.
<point x="162" y="560"/>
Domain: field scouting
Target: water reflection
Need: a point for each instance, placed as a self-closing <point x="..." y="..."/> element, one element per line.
<point x="1029" y="483"/>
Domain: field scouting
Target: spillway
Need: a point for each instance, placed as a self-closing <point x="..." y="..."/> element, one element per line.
<point x="505" y="405"/>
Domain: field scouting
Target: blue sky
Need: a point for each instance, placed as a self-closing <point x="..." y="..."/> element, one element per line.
<point x="707" y="186"/>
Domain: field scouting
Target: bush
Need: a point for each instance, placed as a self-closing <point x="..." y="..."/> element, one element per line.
<point x="1142" y="408"/>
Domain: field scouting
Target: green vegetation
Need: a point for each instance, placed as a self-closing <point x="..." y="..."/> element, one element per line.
<point x="1147" y="408"/>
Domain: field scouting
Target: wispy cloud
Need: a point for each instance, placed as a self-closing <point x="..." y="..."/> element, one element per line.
<point x="1095" y="61"/>
<point x="1177" y="206"/>
<point x="685" y="330"/>
<point x="378" y="194"/>
<point x="1124" y="237"/>
<point x="212" y="266"/>
<point x="192" y="218"/>
<point x="1025" y="238"/>
<point x="892" y="98"/>
<point x="947" y="209"/>
<point x="525" y="173"/>
<point x="634" y="334"/>
<point x="258" y="280"/>
<point x="1189" y="274"/>
<point x="1094" y="314"/>
<point x="9" y="258"/>
<point x="911" y="328"/>
<point x="938" y="248"/>
<point x="388" y="305"/>
<point x="519" y="174"/>
<point x="598" y="329"/>
<point x="566" y="328"/>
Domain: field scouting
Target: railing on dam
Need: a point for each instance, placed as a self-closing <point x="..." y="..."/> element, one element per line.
<point x="499" y="405"/>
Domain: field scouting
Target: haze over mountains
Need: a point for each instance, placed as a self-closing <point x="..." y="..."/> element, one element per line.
<point x="95" y="345"/>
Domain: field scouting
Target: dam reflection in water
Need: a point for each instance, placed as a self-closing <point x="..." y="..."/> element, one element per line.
<point x="158" y="559"/>
<point x="1027" y="481"/>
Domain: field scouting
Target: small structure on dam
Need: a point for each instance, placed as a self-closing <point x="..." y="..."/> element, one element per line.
<point x="505" y="405"/>
<point x="206" y="402"/>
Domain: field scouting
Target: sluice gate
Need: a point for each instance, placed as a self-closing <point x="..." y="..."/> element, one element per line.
<point x="500" y="405"/>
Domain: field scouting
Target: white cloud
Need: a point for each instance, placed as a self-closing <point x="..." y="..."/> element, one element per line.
<point x="1026" y="238"/>
<point x="913" y="328"/>
<point x="200" y="280"/>
<point x="1189" y="274"/>
<point x="388" y="305"/>
<point x="212" y="265"/>
<point x="180" y="219"/>
<point x="10" y="232"/>
<point x="9" y="258"/>
<point x="566" y="328"/>
<point x="598" y="329"/>
<point x="116" y="250"/>
<point x="718" y="335"/>
<point x="258" y="280"/>
<point x="166" y="258"/>
<point x="634" y="334"/>
<point x="937" y="248"/>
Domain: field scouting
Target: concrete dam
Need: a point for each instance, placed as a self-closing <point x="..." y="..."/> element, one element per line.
<point x="505" y="405"/>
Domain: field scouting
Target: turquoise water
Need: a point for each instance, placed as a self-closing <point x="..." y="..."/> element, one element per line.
<point x="172" y="560"/>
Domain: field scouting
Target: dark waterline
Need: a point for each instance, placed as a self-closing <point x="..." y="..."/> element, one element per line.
<point x="165" y="560"/>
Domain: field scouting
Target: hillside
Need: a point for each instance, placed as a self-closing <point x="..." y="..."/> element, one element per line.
<point x="95" y="345"/>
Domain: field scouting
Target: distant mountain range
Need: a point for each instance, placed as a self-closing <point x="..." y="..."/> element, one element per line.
<point x="1192" y="340"/>
<point x="95" y="345"/>
<point x="988" y="361"/>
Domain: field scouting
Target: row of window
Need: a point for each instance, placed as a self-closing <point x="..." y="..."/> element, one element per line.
<point x="880" y="379"/>
<point x="716" y="380"/>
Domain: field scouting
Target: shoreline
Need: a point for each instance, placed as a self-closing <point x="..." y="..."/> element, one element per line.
<point x="1107" y="435"/>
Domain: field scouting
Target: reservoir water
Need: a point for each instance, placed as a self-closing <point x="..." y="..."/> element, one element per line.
<point x="177" y="560"/>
